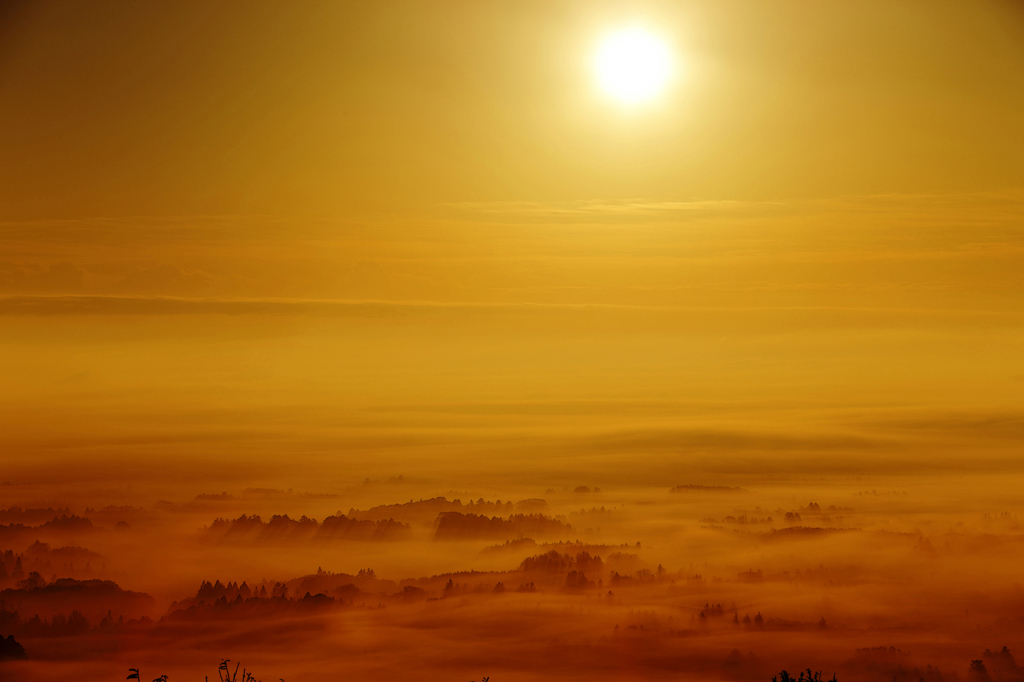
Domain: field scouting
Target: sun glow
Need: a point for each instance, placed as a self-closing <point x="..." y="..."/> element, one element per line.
<point x="633" y="65"/>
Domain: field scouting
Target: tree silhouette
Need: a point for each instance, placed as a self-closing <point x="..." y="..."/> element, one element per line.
<point x="10" y="649"/>
<point x="977" y="671"/>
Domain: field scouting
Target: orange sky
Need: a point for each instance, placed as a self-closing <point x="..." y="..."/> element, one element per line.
<point x="217" y="212"/>
<point x="339" y="109"/>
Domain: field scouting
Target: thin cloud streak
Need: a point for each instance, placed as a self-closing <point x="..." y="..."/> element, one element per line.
<point x="173" y="305"/>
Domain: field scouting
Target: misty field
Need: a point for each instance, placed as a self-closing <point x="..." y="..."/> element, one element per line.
<point x="730" y="582"/>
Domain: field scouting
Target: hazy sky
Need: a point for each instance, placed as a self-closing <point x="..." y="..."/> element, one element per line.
<point x="216" y="212"/>
<point x="329" y="108"/>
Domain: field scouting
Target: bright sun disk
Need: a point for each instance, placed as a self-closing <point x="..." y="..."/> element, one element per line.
<point x="633" y="65"/>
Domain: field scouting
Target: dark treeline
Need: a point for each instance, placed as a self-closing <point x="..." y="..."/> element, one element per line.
<point x="19" y="533"/>
<point x="555" y="562"/>
<point x="65" y="625"/>
<point x="282" y="528"/>
<point x="31" y="515"/>
<point x="44" y="559"/>
<point x="253" y="607"/>
<point x="94" y="598"/>
<point x="427" y="511"/>
<point x="459" y="526"/>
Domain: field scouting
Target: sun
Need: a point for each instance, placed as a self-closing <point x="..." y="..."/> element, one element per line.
<point x="633" y="65"/>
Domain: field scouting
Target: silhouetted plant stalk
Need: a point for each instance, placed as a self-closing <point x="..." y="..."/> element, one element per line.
<point x="223" y="672"/>
<point x="806" y="676"/>
<point x="226" y="675"/>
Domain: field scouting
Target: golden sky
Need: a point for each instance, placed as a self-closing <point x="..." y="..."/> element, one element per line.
<point x="216" y="212"/>
<point x="338" y="109"/>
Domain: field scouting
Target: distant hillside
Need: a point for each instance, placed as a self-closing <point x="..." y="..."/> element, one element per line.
<point x="694" y="488"/>
<point x="93" y="598"/>
<point x="458" y="526"/>
<point x="426" y="511"/>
